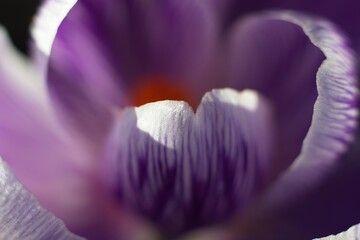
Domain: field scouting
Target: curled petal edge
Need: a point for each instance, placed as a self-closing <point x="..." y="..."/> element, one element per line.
<point x="335" y="113"/>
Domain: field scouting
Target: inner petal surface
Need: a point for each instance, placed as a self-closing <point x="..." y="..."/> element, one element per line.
<point x="183" y="170"/>
<point x="277" y="59"/>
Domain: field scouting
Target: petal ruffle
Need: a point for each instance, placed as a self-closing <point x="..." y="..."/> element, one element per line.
<point x="335" y="114"/>
<point x="341" y="12"/>
<point x="166" y="161"/>
<point x="303" y="201"/>
<point x="22" y="217"/>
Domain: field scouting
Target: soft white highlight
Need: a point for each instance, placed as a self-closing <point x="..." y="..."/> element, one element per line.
<point x="51" y="14"/>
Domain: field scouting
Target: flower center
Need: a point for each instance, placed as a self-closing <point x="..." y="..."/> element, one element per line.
<point x="156" y="87"/>
<point x="184" y="170"/>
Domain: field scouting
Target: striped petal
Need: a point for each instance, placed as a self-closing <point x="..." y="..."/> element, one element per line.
<point x="309" y="198"/>
<point x="22" y="217"/>
<point x="165" y="160"/>
<point x="334" y="120"/>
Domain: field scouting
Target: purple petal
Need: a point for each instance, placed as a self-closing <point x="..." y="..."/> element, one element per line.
<point x="341" y="12"/>
<point x="335" y="110"/>
<point x="166" y="161"/>
<point x="77" y="72"/>
<point x="22" y="217"/>
<point x="173" y="38"/>
<point x="50" y="160"/>
<point x="277" y="59"/>
<point x="96" y="64"/>
<point x="308" y="198"/>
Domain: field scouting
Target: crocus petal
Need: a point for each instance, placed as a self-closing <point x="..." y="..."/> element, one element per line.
<point x="335" y="111"/>
<point x="174" y="38"/>
<point x="22" y="217"/>
<point x="352" y="233"/>
<point x="45" y="28"/>
<point x="343" y="13"/>
<point x="77" y="72"/>
<point x="50" y="160"/>
<point x="165" y="37"/>
<point x="292" y="84"/>
<point x="277" y="59"/>
<point x="170" y="38"/>
<point x="286" y="208"/>
<point x="166" y="161"/>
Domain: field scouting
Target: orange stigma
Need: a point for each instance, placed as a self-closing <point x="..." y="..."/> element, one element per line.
<point x="152" y="88"/>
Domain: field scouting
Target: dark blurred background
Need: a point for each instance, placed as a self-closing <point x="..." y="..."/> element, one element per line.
<point x="16" y="16"/>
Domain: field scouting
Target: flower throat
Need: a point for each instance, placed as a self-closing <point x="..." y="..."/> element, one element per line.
<point x="156" y="87"/>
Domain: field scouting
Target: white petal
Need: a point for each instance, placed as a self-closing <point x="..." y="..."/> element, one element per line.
<point x="21" y="216"/>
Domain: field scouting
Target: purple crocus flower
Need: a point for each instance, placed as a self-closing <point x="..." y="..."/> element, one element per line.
<point x="169" y="116"/>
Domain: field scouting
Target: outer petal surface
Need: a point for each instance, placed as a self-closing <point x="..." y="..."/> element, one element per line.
<point x="183" y="170"/>
<point x="47" y="157"/>
<point x="21" y="216"/>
